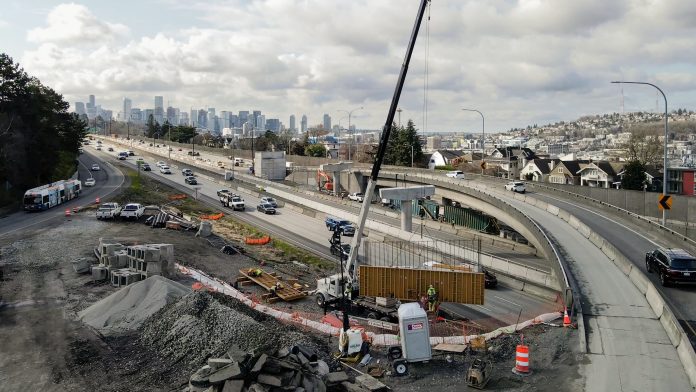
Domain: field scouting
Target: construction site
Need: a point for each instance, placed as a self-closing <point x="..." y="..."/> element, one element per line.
<point x="191" y="302"/>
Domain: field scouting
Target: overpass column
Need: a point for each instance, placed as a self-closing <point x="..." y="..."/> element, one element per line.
<point x="335" y="169"/>
<point x="406" y="215"/>
<point x="336" y="181"/>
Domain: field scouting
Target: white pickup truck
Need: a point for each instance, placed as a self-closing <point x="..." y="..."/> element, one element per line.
<point x="232" y="201"/>
<point x="132" y="211"/>
<point x="108" y="211"/>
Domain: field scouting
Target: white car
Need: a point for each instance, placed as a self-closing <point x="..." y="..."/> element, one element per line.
<point x="90" y="182"/>
<point x="515" y="186"/>
<point x="165" y="170"/>
<point x="456" y="174"/>
<point x="95" y="167"/>
<point x="161" y="163"/>
<point x="356" y="196"/>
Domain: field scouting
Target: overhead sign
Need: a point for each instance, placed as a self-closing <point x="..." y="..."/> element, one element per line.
<point x="665" y="202"/>
<point x="483" y="165"/>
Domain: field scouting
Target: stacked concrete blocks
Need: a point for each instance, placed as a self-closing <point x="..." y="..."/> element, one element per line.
<point x="124" y="265"/>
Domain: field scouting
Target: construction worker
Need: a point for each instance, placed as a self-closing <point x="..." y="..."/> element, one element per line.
<point x="432" y="298"/>
<point x="276" y="287"/>
<point x="255" y="272"/>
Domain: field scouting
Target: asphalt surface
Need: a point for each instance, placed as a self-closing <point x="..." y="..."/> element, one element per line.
<point x="502" y="306"/>
<point x="108" y="181"/>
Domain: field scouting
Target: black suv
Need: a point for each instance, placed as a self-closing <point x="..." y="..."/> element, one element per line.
<point x="673" y="265"/>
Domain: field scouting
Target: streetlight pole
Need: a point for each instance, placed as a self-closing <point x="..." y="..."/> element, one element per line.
<point x="399" y="110"/>
<point x="483" y="131"/>
<point x="664" y="176"/>
<point x="350" y="113"/>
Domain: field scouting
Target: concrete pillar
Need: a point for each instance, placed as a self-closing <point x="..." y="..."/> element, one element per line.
<point x="337" y="182"/>
<point x="406" y="215"/>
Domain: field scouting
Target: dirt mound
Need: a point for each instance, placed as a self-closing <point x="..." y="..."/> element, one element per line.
<point x="128" y="308"/>
<point x="198" y="326"/>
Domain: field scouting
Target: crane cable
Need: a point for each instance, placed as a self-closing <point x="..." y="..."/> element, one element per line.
<point x="425" y="69"/>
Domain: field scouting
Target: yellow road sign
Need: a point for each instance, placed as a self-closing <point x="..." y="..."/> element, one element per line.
<point x="483" y="165"/>
<point x="665" y="202"/>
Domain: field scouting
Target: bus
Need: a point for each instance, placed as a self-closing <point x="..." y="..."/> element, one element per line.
<point x="50" y="195"/>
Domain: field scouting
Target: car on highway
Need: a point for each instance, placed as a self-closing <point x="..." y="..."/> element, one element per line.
<point x="269" y="200"/>
<point x="130" y="153"/>
<point x="81" y="150"/>
<point x="90" y="182"/>
<point x="194" y="153"/>
<point x="489" y="279"/>
<point x="672" y="265"/>
<point x="516" y="186"/>
<point x="343" y="226"/>
<point x="455" y="174"/>
<point x="95" y="167"/>
<point x="161" y="163"/>
<point x="98" y="148"/>
<point x="111" y="149"/>
<point x="356" y="196"/>
<point x="122" y="155"/>
<point x="165" y="170"/>
<point x="187" y="172"/>
<point x="191" y="180"/>
<point x="146" y="166"/>
<point x="343" y="250"/>
<point x="266" y="208"/>
<point x="221" y="192"/>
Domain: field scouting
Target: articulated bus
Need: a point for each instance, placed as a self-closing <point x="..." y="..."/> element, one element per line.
<point x="50" y="195"/>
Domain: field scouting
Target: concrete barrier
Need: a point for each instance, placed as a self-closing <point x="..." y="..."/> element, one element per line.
<point x="655" y="300"/>
<point x="624" y="265"/>
<point x="639" y="280"/>
<point x="563" y="214"/>
<point x="584" y="230"/>
<point x="671" y="326"/>
<point x="541" y="204"/>
<point x="574" y="222"/>
<point x="552" y="209"/>
<point x="596" y="239"/>
<point x="688" y="358"/>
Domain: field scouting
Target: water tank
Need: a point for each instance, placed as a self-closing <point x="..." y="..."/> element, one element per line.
<point x="415" y="332"/>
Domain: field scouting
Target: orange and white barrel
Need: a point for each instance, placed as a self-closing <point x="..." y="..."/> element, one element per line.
<point x="521" y="360"/>
<point x="67" y="212"/>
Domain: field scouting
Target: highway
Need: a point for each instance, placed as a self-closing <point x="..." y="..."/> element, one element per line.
<point x="108" y="182"/>
<point x="502" y="306"/>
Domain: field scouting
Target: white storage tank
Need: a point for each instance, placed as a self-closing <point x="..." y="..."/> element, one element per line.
<point x="415" y="332"/>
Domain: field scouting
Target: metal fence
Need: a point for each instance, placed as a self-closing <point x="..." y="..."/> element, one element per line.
<point x="413" y="254"/>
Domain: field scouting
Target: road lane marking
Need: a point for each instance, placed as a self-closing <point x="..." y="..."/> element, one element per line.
<point x="508" y="301"/>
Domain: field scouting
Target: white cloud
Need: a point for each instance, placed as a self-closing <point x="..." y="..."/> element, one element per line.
<point x="75" y="24"/>
<point x="521" y="62"/>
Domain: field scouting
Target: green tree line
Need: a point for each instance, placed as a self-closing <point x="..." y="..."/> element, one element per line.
<point x="39" y="138"/>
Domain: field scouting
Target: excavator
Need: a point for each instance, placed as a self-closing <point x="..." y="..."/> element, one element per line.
<point x="324" y="182"/>
<point x="345" y="285"/>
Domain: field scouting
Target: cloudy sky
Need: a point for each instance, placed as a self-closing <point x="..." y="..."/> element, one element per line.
<point x="519" y="62"/>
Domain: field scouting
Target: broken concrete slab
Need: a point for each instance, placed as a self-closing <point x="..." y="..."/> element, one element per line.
<point x="259" y="365"/>
<point x="322" y="368"/>
<point x="233" y="386"/>
<point x="350" y="387"/>
<point x="256" y="387"/>
<point x="230" y="371"/>
<point x="269" y="379"/>
<point x="217" y="363"/>
<point x="370" y="383"/>
<point x="336" y="377"/>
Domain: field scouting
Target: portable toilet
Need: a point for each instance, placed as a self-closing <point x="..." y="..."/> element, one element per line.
<point x="415" y="332"/>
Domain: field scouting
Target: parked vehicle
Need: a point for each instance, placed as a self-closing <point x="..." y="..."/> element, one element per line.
<point x="108" y="211"/>
<point x="266" y="208"/>
<point x="455" y="174"/>
<point x="342" y="225"/>
<point x="187" y="172"/>
<point x="232" y="201"/>
<point x="50" y="195"/>
<point x="95" y="167"/>
<point x="165" y="170"/>
<point x="269" y="200"/>
<point x="132" y="211"/>
<point x="191" y="180"/>
<point x="672" y="265"/>
<point x="90" y="182"/>
<point x="356" y="196"/>
<point x="516" y="186"/>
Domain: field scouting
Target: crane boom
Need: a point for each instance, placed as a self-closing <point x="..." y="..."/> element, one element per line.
<point x="383" y="142"/>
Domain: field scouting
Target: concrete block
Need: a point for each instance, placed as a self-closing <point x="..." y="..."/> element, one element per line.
<point x="541" y="204"/>
<point x="233" y="386"/>
<point x="552" y="209"/>
<point x="336" y="377"/>
<point x="609" y="250"/>
<point x="269" y="379"/>
<point x="259" y="364"/>
<point x="574" y="222"/>
<point x="639" y="280"/>
<point x="671" y="326"/>
<point x="370" y="383"/>
<point x="256" y="387"/>
<point x="596" y="239"/>
<point x="584" y="230"/>
<point x="624" y="264"/>
<point x="655" y="300"/>
<point x="204" y="229"/>
<point x="217" y="363"/>
<point x="563" y="214"/>
<point x="688" y="358"/>
<point x="230" y="371"/>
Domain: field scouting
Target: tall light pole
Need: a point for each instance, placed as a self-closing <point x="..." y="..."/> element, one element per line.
<point x="411" y="145"/>
<point x="399" y="110"/>
<point x="350" y="113"/>
<point x="664" y="176"/>
<point x="483" y="131"/>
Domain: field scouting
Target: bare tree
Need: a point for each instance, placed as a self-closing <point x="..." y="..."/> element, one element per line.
<point x="643" y="148"/>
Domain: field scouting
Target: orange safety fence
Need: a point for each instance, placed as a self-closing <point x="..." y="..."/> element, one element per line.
<point x="257" y="241"/>
<point x="177" y="197"/>
<point x="212" y="217"/>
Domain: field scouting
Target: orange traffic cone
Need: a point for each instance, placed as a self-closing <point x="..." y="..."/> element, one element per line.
<point x="566" y="318"/>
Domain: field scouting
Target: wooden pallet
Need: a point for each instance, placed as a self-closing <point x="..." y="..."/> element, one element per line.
<point x="268" y="281"/>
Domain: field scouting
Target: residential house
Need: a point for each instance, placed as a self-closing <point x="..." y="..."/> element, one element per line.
<point x="567" y="172"/>
<point x="681" y="181"/>
<point x="445" y="157"/>
<point x="653" y="179"/>
<point x="600" y="174"/>
<point x="511" y="159"/>
<point x="538" y="170"/>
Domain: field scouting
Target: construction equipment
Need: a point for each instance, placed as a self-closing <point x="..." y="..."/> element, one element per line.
<point x="478" y="374"/>
<point x="346" y="283"/>
<point x="324" y="182"/>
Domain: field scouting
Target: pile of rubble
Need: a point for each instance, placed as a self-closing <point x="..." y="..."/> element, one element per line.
<point x="198" y="327"/>
<point x="289" y="369"/>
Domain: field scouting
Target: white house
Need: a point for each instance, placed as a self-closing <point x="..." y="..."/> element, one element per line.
<point x="443" y="157"/>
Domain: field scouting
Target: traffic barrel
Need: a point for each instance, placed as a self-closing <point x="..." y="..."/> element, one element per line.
<point x="67" y="212"/>
<point x="97" y="201"/>
<point x="74" y="210"/>
<point x="521" y="360"/>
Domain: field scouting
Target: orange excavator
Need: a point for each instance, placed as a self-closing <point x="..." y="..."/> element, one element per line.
<point x="324" y="182"/>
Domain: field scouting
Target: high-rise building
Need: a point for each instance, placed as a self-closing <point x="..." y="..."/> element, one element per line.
<point x="135" y="115"/>
<point x="194" y="118"/>
<point x="327" y="122"/>
<point x="211" y="119"/>
<point x="224" y="119"/>
<point x="273" y="124"/>
<point x="303" y="123"/>
<point x="92" y="102"/>
<point x="234" y="121"/>
<point x="202" y="119"/>
<point x="184" y="119"/>
<point x="159" y="109"/>
<point x="255" y="116"/>
<point x="146" y="115"/>
<point x="127" y="106"/>
<point x="261" y="122"/>
<point x="243" y="117"/>
<point x="292" y="122"/>
<point x="80" y="108"/>
<point x="171" y="115"/>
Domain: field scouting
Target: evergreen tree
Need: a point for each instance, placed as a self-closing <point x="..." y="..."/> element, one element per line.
<point x="634" y="176"/>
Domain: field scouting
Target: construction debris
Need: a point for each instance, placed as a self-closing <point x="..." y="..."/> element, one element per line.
<point x="124" y="265"/>
<point x="277" y="288"/>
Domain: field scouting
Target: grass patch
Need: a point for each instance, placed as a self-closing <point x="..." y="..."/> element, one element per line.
<point x="301" y="255"/>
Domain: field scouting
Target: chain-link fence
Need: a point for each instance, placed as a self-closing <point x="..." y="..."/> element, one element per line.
<point x="415" y="254"/>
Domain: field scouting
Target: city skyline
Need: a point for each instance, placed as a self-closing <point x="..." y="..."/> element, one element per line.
<point x="519" y="63"/>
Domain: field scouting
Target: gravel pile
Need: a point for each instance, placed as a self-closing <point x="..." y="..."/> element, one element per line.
<point x="198" y="327"/>
<point x="128" y="308"/>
